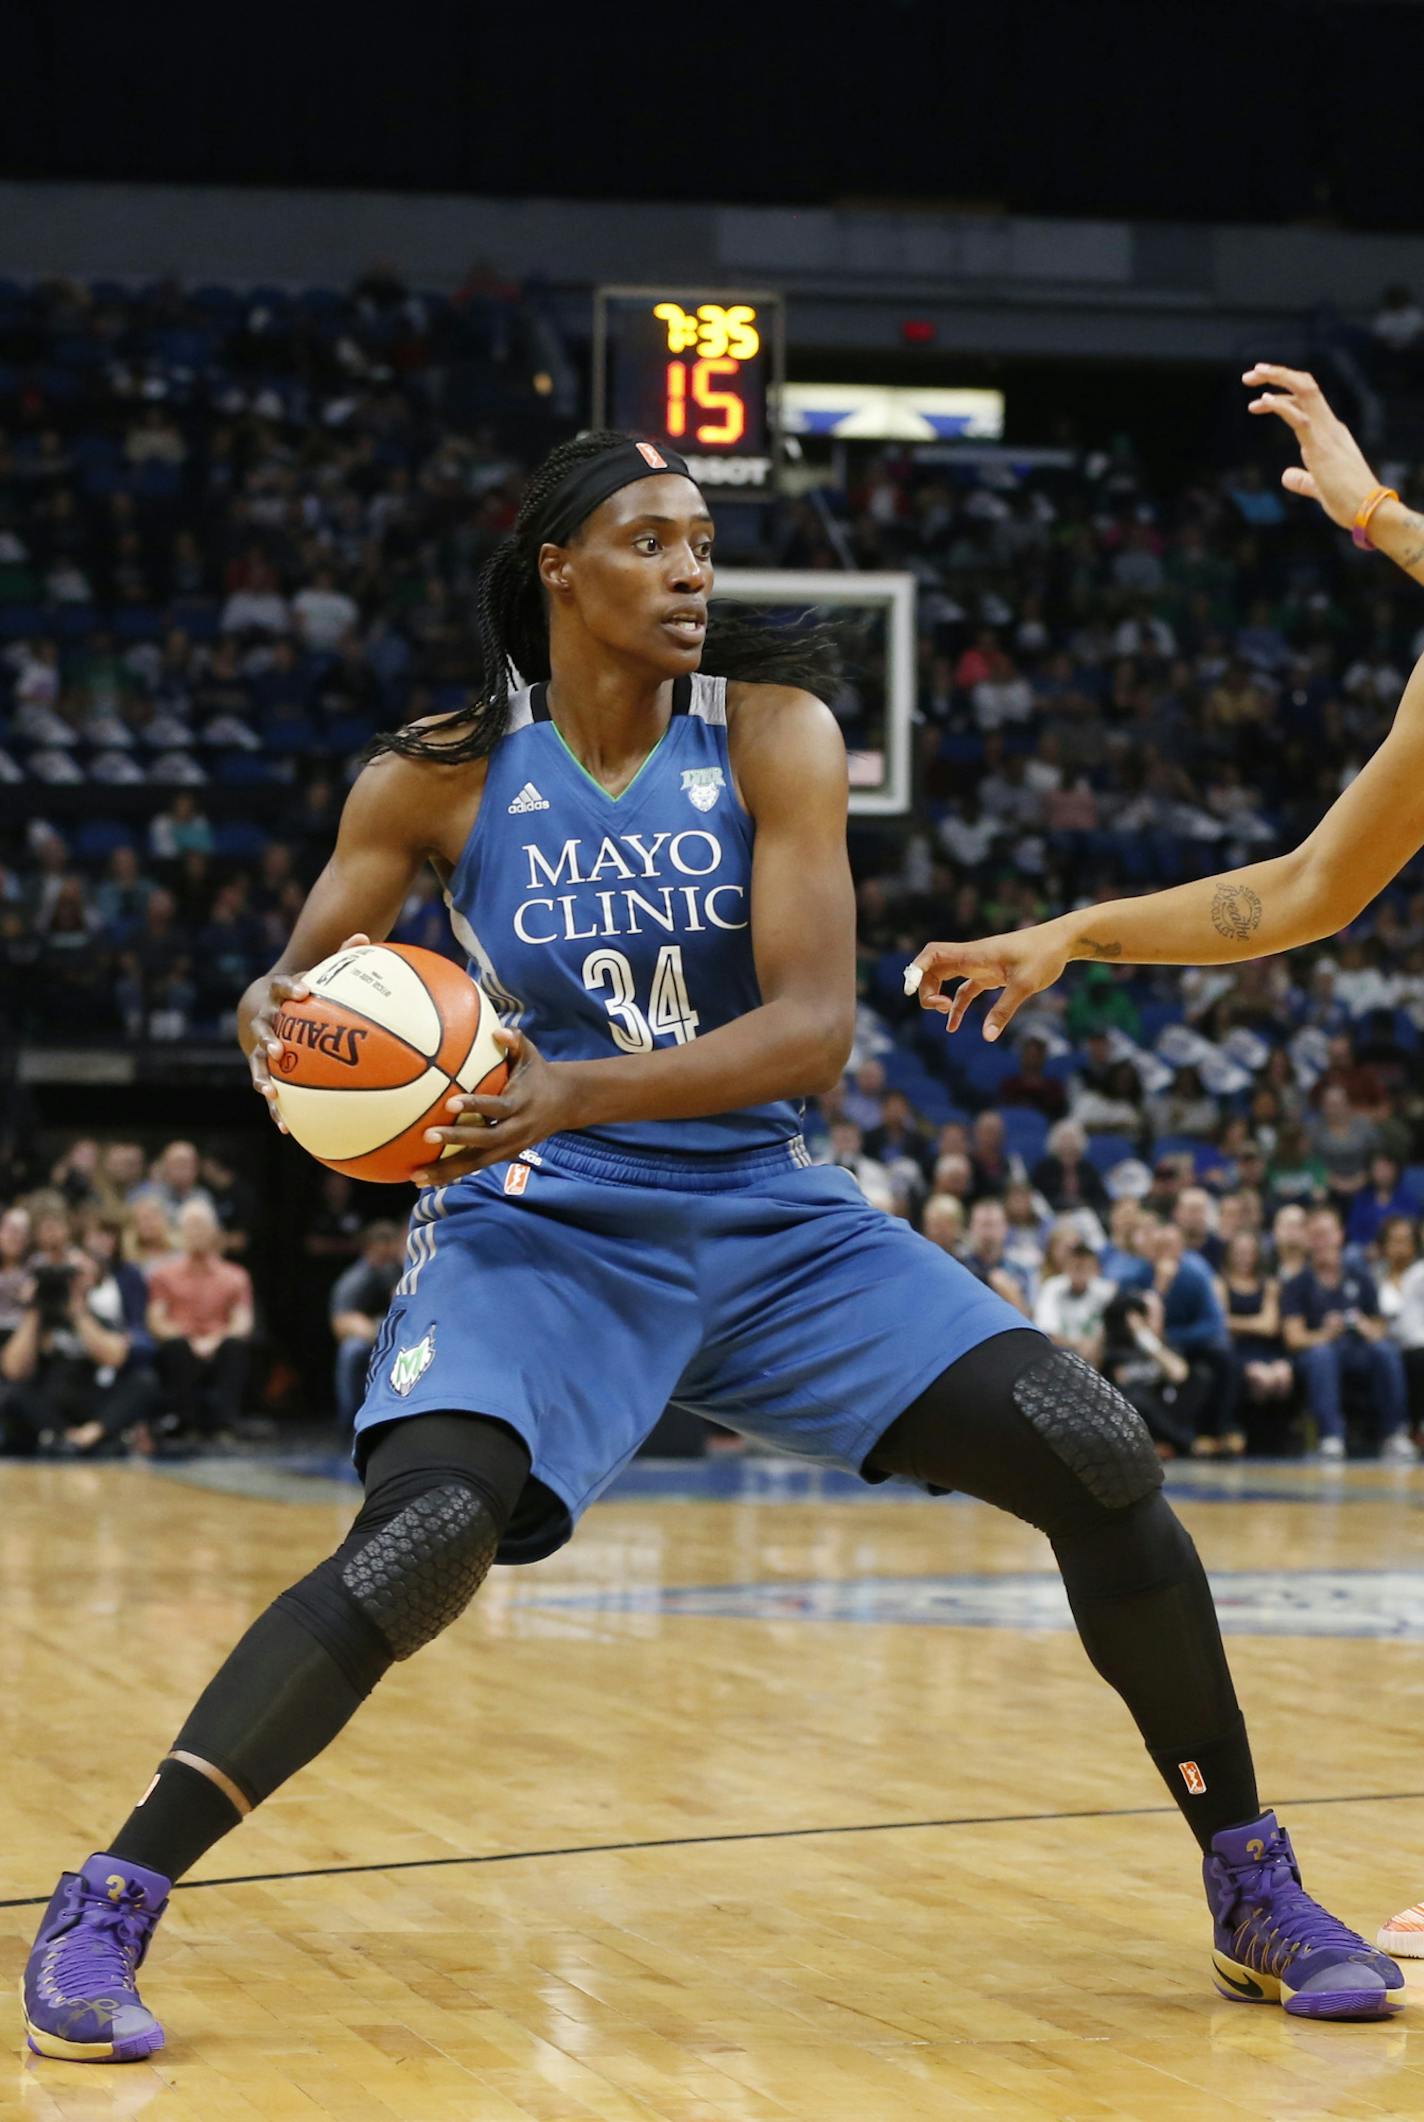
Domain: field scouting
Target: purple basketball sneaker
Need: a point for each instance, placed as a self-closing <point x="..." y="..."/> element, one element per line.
<point x="79" y="1995"/>
<point x="1274" y="1944"/>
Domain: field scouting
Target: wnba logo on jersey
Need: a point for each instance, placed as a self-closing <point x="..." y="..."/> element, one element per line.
<point x="702" y="785"/>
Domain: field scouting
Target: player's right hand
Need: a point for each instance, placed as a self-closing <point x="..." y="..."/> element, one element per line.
<point x="1022" y="964"/>
<point x="1332" y="470"/>
<point x="266" y="1044"/>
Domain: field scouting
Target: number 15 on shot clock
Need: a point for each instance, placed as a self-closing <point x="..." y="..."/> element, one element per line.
<point x="699" y="370"/>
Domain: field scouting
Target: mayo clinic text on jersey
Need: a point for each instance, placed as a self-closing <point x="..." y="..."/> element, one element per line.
<point x="617" y="907"/>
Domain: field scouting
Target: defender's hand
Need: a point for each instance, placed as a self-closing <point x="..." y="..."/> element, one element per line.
<point x="266" y="1045"/>
<point x="536" y="1102"/>
<point x="1022" y="965"/>
<point x="1332" y="470"/>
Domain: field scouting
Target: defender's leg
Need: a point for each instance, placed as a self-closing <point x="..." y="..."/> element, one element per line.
<point x="1041" y="1434"/>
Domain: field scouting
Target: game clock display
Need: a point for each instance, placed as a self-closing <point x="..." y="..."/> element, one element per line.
<point x="697" y="371"/>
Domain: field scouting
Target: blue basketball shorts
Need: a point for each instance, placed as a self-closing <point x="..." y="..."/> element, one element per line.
<point x="577" y="1292"/>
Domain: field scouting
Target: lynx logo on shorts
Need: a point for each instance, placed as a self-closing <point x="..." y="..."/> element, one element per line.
<point x="516" y="1178"/>
<point x="702" y="785"/>
<point x="1192" y="1777"/>
<point x="411" y="1364"/>
<point x="650" y="456"/>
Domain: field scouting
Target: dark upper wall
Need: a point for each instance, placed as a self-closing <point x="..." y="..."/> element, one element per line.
<point x="1136" y="108"/>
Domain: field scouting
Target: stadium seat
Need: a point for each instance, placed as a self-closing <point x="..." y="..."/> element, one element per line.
<point x="982" y="1067"/>
<point x="238" y="840"/>
<point x="1025" y="1131"/>
<point x="96" y="839"/>
<point x="1155" y="1017"/>
<point x="185" y="347"/>
<point x="1202" y="1154"/>
<point x="936" y="1106"/>
<point x="158" y="482"/>
<point x="960" y="1115"/>
<point x="245" y="770"/>
<point x="292" y="735"/>
<point x="199" y="621"/>
<point x="1106" y="1150"/>
<point x="348" y="733"/>
<point x="904" y="1070"/>
<point x="74" y="350"/>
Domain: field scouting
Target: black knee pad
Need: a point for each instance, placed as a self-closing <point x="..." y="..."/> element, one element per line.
<point x="1101" y="1439"/>
<point x="419" y="1572"/>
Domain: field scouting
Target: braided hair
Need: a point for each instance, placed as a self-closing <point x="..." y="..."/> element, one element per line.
<point x="512" y="628"/>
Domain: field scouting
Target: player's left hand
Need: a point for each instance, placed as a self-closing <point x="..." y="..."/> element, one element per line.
<point x="537" y="1102"/>
<point x="1022" y="965"/>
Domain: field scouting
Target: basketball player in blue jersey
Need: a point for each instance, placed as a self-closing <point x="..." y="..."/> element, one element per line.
<point x="646" y="861"/>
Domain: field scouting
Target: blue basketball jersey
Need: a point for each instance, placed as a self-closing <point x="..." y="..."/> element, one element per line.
<point x="607" y="925"/>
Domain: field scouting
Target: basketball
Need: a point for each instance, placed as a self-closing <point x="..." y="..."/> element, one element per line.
<point x="370" y="1056"/>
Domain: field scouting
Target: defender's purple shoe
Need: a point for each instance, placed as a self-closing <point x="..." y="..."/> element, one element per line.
<point x="1274" y="1944"/>
<point x="78" y="1989"/>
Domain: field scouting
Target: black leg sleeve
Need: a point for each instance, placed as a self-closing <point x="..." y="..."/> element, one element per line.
<point x="1025" y="1427"/>
<point x="439" y="1491"/>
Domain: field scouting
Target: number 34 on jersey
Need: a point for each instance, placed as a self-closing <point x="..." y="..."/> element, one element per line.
<point x="669" y="1013"/>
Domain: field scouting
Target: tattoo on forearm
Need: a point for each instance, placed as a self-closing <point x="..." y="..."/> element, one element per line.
<point x="1236" y="911"/>
<point x="1413" y="552"/>
<point x="1092" y="947"/>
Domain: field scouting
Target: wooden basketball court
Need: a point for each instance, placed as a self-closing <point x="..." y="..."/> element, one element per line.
<point x="793" y="1801"/>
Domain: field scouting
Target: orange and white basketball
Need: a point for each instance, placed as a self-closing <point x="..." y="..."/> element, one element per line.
<point x="370" y="1056"/>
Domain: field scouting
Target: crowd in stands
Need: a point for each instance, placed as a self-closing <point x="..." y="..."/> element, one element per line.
<point x="1238" y="1301"/>
<point x="239" y="531"/>
<point x="125" y="1313"/>
<point x="129" y="1319"/>
<point x="1242" y="1298"/>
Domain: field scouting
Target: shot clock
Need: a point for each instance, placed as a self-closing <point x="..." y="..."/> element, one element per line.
<point x="698" y="371"/>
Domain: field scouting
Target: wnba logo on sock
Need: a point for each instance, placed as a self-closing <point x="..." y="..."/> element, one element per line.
<point x="1192" y="1777"/>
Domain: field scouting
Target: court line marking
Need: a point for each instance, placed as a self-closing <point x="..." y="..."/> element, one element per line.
<point x="748" y="1834"/>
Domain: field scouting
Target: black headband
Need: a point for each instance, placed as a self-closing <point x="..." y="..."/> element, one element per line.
<point x="589" y="484"/>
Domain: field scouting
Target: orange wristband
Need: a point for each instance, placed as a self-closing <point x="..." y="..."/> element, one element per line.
<point x="1360" y="528"/>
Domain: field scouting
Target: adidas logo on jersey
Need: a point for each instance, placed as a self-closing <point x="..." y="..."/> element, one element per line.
<point x="528" y="798"/>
